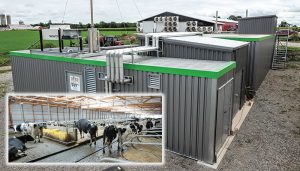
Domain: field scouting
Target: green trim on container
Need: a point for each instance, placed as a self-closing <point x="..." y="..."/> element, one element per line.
<point x="248" y="39"/>
<point x="179" y="71"/>
<point x="59" y="58"/>
<point x="166" y="70"/>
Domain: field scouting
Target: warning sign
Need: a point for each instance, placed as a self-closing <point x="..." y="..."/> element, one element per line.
<point x="74" y="83"/>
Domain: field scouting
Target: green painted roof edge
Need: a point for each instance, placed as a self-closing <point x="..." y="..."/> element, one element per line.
<point x="248" y="39"/>
<point x="186" y="72"/>
<point x="58" y="58"/>
<point x="166" y="70"/>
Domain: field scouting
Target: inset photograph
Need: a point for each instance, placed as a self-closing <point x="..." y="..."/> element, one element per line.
<point x="85" y="129"/>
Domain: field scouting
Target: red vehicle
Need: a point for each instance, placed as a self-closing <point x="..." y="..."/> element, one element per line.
<point x="110" y="41"/>
<point x="286" y="32"/>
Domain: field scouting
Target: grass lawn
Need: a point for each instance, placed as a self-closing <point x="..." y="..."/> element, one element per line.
<point x="23" y="39"/>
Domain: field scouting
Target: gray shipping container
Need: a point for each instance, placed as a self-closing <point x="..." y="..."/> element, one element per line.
<point x="258" y="25"/>
<point x="260" y="51"/>
<point x="206" y="48"/>
<point x="198" y="93"/>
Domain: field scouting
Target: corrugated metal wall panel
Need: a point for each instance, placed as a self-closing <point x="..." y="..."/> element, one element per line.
<point x="51" y="77"/>
<point x="181" y="50"/>
<point x="191" y="104"/>
<point x="258" y="25"/>
<point x="262" y="61"/>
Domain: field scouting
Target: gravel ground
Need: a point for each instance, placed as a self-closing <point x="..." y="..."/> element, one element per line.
<point x="269" y="138"/>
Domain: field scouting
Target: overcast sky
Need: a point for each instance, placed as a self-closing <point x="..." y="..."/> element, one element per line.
<point x="34" y="11"/>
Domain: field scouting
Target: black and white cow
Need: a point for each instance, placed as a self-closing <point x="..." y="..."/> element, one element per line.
<point x="87" y="127"/>
<point x="17" y="146"/>
<point x="156" y="123"/>
<point x="24" y="128"/>
<point x="149" y="124"/>
<point x="110" y="133"/>
<point x="136" y="127"/>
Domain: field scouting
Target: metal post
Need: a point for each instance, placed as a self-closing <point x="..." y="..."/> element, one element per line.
<point x="49" y="112"/>
<point x="57" y="113"/>
<point x="246" y="13"/>
<point x="64" y="113"/>
<point x="32" y="108"/>
<point x="80" y="44"/>
<point x="43" y="113"/>
<point x="10" y="115"/>
<point x="23" y="112"/>
<point x="41" y="40"/>
<point x="216" y="24"/>
<point x="92" y="14"/>
<point x="59" y="40"/>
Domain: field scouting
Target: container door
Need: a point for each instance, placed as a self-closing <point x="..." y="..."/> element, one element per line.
<point x="237" y="92"/>
<point x="224" y="110"/>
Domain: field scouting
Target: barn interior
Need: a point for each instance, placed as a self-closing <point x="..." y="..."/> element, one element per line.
<point x="61" y="142"/>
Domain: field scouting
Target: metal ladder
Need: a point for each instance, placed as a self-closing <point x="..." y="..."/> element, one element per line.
<point x="280" y="51"/>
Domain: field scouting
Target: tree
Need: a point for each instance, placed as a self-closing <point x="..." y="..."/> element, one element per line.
<point x="284" y="24"/>
<point x="233" y="17"/>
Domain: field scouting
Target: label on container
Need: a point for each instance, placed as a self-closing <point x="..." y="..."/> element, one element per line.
<point x="74" y="83"/>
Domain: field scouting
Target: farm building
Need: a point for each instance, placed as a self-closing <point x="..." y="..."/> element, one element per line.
<point x="172" y="22"/>
<point x="204" y="79"/>
<point x="62" y="125"/>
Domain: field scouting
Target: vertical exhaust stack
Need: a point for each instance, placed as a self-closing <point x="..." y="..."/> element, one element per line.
<point x="216" y="24"/>
<point x="93" y="40"/>
<point x="93" y="34"/>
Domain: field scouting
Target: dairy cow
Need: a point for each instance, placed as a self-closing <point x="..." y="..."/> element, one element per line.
<point x="149" y="124"/>
<point x="87" y="127"/>
<point x="16" y="146"/>
<point x="136" y="127"/>
<point x="110" y="133"/>
<point x="24" y="128"/>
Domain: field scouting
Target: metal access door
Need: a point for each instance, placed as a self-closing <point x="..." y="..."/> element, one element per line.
<point x="237" y="98"/>
<point x="224" y="110"/>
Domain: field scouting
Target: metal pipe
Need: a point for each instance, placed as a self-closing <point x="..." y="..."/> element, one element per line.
<point x="108" y="66"/>
<point x="117" y="67"/>
<point x="121" y="69"/>
<point x="112" y="67"/>
<point x="92" y="14"/>
<point x="216" y="24"/>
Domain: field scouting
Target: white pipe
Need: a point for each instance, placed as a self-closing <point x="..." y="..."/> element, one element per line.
<point x="106" y="87"/>
<point x="112" y="62"/>
<point x="121" y="68"/>
<point x="157" y="42"/>
<point x="146" y="40"/>
<point x="108" y="65"/>
<point x="117" y="73"/>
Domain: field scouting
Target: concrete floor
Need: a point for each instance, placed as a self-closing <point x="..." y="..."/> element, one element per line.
<point x="268" y="139"/>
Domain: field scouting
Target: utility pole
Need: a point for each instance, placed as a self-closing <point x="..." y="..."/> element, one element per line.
<point x="246" y="13"/>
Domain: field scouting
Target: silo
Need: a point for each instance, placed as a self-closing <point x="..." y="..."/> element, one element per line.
<point x="8" y="19"/>
<point x="198" y="93"/>
<point x="2" y="19"/>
